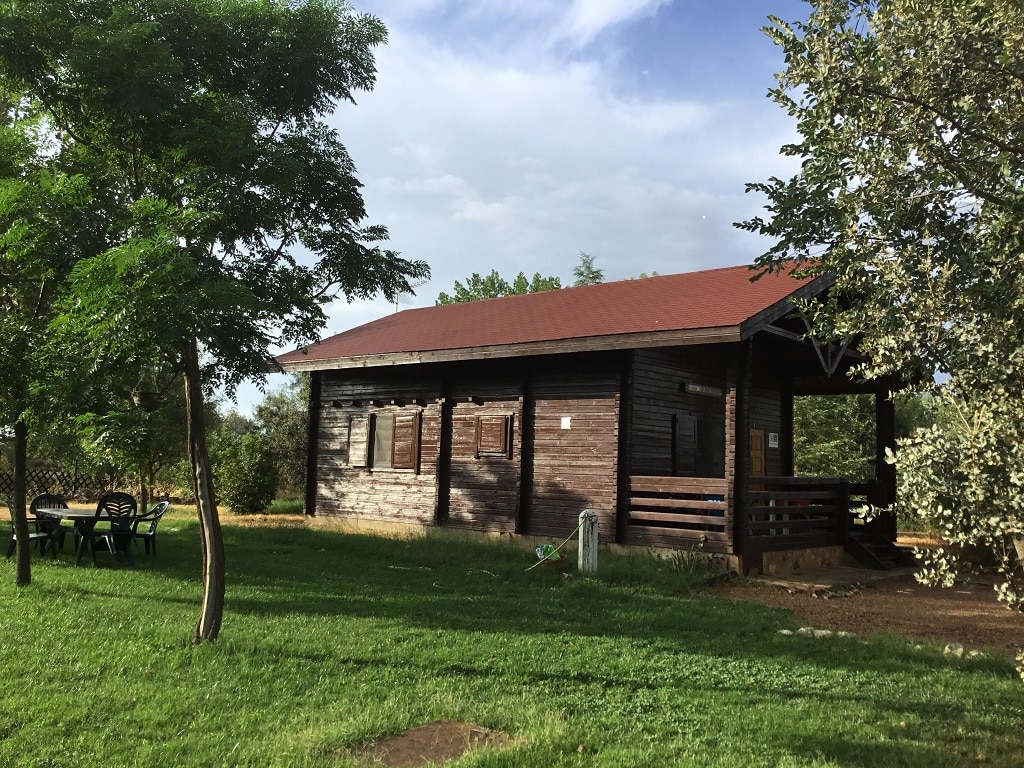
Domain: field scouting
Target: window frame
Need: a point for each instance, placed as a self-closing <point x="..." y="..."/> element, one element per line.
<point x="494" y="435"/>
<point x="402" y="449"/>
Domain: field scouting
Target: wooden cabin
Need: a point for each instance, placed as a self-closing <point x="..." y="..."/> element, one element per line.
<point x="663" y="404"/>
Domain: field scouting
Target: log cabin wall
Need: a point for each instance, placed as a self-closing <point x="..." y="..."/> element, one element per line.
<point x="575" y="449"/>
<point x="676" y="432"/>
<point x="568" y="406"/>
<point x="486" y="454"/>
<point x="353" y="409"/>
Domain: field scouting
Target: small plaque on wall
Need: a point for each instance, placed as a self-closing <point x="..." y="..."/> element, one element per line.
<point x="691" y="388"/>
<point x="773" y="439"/>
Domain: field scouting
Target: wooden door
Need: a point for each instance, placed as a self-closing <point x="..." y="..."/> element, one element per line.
<point x="758" y="465"/>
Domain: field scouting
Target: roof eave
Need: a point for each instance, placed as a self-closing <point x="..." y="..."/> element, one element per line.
<point x="716" y="335"/>
<point x="785" y="306"/>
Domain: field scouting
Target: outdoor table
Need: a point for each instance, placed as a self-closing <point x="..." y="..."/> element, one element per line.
<point x="84" y="521"/>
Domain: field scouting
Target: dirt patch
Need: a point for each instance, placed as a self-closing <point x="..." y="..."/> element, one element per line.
<point x="968" y="614"/>
<point x="431" y="744"/>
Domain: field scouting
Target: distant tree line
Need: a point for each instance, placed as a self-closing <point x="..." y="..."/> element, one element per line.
<point x="494" y="286"/>
<point x="255" y="460"/>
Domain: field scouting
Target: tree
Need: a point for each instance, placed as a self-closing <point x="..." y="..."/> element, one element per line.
<point x="911" y="193"/>
<point x="42" y="233"/>
<point x="585" y="272"/>
<point x="834" y="436"/>
<point x="494" y="286"/>
<point x="136" y="423"/>
<point x="233" y="211"/>
<point x="283" y="417"/>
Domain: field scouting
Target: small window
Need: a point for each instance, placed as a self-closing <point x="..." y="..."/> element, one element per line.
<point x="385" y="441"/>
<point x="494" y="436"/>
<point x="358" y="441"/>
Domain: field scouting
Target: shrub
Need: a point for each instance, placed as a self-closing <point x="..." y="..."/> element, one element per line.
<point x="246" y="474"/>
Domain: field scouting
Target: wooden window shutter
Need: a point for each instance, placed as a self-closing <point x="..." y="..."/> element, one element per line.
<point x="358" y="440"/>
<point x="494" y="436"/>
<point x="406" y="447"/>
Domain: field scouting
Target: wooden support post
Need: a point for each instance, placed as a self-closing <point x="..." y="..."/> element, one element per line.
<point x="587" y="562"/>
<point x="312" y="443"/>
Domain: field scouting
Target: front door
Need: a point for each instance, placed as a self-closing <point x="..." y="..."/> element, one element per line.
<point x="758" y="467"/>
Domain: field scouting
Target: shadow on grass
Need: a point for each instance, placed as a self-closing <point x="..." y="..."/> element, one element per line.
<point x="448" y="583"/>
<point x="658" y="639"/>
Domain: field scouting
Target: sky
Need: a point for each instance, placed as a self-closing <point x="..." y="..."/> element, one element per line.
<point x="514" y="134"/>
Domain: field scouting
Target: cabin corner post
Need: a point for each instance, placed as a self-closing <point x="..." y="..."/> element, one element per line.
<point x="443" y="492"/>
<point x="737" y="459"/>
<point x="527" y="424"/>
<point x="625" y="448"/>
<point x="312" y="442"/>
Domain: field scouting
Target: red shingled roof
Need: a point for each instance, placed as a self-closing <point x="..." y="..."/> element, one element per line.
<point x="715" y="298"/>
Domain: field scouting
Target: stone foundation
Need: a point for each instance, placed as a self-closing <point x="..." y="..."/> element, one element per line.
<point x="788" y="561"/>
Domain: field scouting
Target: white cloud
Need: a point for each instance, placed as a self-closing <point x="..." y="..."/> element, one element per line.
<point x="500" y="137"/>
<point x="586" y="19"/>
<point x="476" y="165"/>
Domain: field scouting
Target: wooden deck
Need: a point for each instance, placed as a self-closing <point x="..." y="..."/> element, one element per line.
<point x="679" y="512"/>
<point x="780" y="513"/>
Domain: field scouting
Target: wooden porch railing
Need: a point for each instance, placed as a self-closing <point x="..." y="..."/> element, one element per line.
<point x="796" y="512"/>
<point x="679" y="512"/>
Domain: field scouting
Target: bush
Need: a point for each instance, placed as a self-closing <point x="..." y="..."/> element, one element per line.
<point x="246" y="474"/>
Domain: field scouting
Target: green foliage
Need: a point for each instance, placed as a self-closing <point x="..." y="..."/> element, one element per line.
<point x="338" y="640"/>
<point x="585" y="273"/>
<point x="286" y="507"/>
<point x="911" y="194"/>
<point x="966" y="473"/>
<point x="227" y="210"/>
<point x="135" y="424"/>
<point x="200" y="130"/>
<point x="834" y="436"/>
<point x="494" y="286"/>
<point x="283" y="418"/>
<point x="246" y="472"/>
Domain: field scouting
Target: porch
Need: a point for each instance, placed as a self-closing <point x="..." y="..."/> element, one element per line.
<point x="776" y="514"/>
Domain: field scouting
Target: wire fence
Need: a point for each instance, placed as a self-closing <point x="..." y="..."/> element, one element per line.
<point x="44" y="480"/>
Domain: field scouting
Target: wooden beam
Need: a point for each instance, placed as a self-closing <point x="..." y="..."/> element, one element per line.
<point x="678" y="338"/>
<point x="808" y="289"/>
<point x="312" y="443"/>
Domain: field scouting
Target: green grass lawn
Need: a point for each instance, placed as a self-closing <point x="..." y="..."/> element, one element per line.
<point x="330" y="641"/>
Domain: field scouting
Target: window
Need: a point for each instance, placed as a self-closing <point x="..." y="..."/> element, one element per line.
<point x="358" y="441"/>
<point x="385" y="441"/>
<point x="494" y="436"/>
<point x="698" y="445"/>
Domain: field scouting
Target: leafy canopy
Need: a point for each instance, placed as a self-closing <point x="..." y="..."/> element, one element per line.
<point x="233" y="212"/>
<point x="911" y="192"/>
<point x="493" y="286"/>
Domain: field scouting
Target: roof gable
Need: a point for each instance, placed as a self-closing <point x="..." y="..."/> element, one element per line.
<point x="694" y="307"/>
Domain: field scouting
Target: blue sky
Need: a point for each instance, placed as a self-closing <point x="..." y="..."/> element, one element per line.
<point x="513" y="134"/>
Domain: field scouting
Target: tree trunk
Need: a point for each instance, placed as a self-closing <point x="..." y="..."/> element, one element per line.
<point x="208" y="626"/>
<point x="23" y="555"/>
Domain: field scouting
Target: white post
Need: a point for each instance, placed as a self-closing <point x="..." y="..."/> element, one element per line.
<point x="588" y="542"/>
